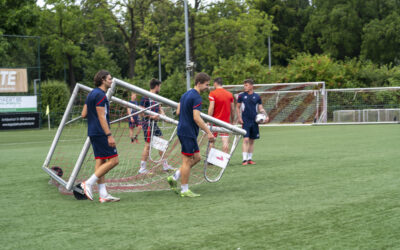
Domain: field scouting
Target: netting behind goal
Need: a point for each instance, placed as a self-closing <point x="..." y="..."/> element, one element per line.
<point x="72" y="153"/>
<point x="363" y="105"/>
<point x="289" y="103"/>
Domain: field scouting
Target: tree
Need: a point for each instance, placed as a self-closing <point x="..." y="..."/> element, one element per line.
<point x="17" y="18"/>
<point x="335" y="26"/>
<point x="224" y="29"/>
<point x="64" y="28"/>
<point x="129" y="18"/>
<point x="100" y="59"/>
<point x="381" y="40"/>
<point x="290" y="17"/>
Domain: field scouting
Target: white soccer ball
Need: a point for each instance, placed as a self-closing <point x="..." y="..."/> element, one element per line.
<point x="261" y="118"/>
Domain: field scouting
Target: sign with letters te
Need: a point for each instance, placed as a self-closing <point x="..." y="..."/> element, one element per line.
<point x="13" y="80"/>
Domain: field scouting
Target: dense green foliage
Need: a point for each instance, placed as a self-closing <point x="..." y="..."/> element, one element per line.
<point x="345" y="43"/>
<point x="312" y="188"/>
<point x="55" y="94"/>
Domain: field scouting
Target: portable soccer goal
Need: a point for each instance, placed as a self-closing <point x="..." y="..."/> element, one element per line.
<point x="290" y="103"/>
<point x="70" y="158"/>
<point x="363" y="105"/>
<point x="310" y="103"/>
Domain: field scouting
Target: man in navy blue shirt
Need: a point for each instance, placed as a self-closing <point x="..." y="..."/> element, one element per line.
<point x="190" y="120"/>
<point x="248" y="105"/>
<point x="147" y="125"/>
<point x="134" y="121"/>
<point x="96" y="110"/>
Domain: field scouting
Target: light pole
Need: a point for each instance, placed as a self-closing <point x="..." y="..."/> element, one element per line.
<point x="187" y="46"/>
<point x="159" y="63"/>
<point x="269" y="53"/>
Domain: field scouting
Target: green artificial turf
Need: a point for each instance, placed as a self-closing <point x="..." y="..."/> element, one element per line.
<point x="328" y="187"/>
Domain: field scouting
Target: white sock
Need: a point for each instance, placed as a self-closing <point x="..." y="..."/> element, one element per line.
<point x="245" y="156"/>
<point x="184" y="188"/>
<point x="143" y="164"/>
<point x="102" y="190"/>
<point x="177" y="175"/>
<point x="92" y="180"/>
<point x="249" y="156"/>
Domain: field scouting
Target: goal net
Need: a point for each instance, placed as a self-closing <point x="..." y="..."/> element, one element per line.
<point x="289" y="103"/>
<point x="363" y="105"/>
<point x="70" y="159"/>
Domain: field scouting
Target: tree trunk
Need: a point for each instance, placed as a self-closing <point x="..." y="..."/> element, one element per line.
<point x="132" y="59"/>
<point x="71" y="73"/>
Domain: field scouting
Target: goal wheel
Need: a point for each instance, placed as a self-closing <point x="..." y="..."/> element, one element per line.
<point x="78" y="193"/>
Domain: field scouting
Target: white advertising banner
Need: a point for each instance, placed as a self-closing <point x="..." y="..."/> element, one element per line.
<point x="18" y="104"/>
<point x="13" y="80"/>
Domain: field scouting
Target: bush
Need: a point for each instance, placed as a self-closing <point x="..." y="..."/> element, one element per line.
<point x="308" y="68"/>
<point x="55" y="94"/>
<point x="351" y="73"/>
<point x="174" y="86"/>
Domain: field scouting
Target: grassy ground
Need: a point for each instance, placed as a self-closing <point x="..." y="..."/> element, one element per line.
<point x="330" y="187"/>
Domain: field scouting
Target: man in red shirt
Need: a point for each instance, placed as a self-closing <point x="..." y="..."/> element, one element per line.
<point x="221" y="107"/>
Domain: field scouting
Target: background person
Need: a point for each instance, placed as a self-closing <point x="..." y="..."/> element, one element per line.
<point x="222" y="108"/>
<point x="247" y="107"/>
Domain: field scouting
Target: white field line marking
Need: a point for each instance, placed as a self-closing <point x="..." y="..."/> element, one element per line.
<point x="35" y="142"/>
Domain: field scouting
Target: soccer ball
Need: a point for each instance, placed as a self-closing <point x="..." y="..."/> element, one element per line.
<point x="59" y="172"/>
<point x="261" y="118"/>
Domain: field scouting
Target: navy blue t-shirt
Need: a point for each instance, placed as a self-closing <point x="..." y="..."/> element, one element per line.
<point x="147" y="102"/>
<point x="96" y="98"/>
<point x="249" y="106"/>
<point x="135" y="117"/>
<point x="187" y="126"/>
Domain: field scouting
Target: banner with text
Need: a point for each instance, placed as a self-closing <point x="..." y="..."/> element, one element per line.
<point x="18" y="104"/>
<point x="19" y="120"/>
<point x="13" y="80"/>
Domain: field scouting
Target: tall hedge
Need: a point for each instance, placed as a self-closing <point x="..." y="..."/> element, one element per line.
<point x="56" y="94"/>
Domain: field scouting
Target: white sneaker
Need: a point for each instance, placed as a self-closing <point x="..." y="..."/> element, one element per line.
<point x="109" y="198"/>
<point x="87" y="190"/>
<point x="168" y="168"/>
<point x="143" y="170"/>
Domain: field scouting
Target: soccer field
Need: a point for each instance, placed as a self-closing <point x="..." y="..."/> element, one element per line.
<point x="328" y="187"/>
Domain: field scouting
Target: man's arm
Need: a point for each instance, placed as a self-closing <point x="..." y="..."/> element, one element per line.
<point x="178" y="109"/>
<point x="239" y="115"/>
<point x="101" y="114"/>
<point x="232" y="112"/>
<point x="211" y="108"/>
<point x="128" y="110"/>
<point x="262" y="110"/>
<point x="84" y="111"/>
<point x="199" y="121"/>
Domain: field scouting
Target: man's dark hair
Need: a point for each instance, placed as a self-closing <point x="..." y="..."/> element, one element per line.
<point x="249" y="81"/>
<point x="201" y="78"/>
<point x="99" y="77"/>
<point x="218" y="80"/>
<point x="154" y="83"/>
